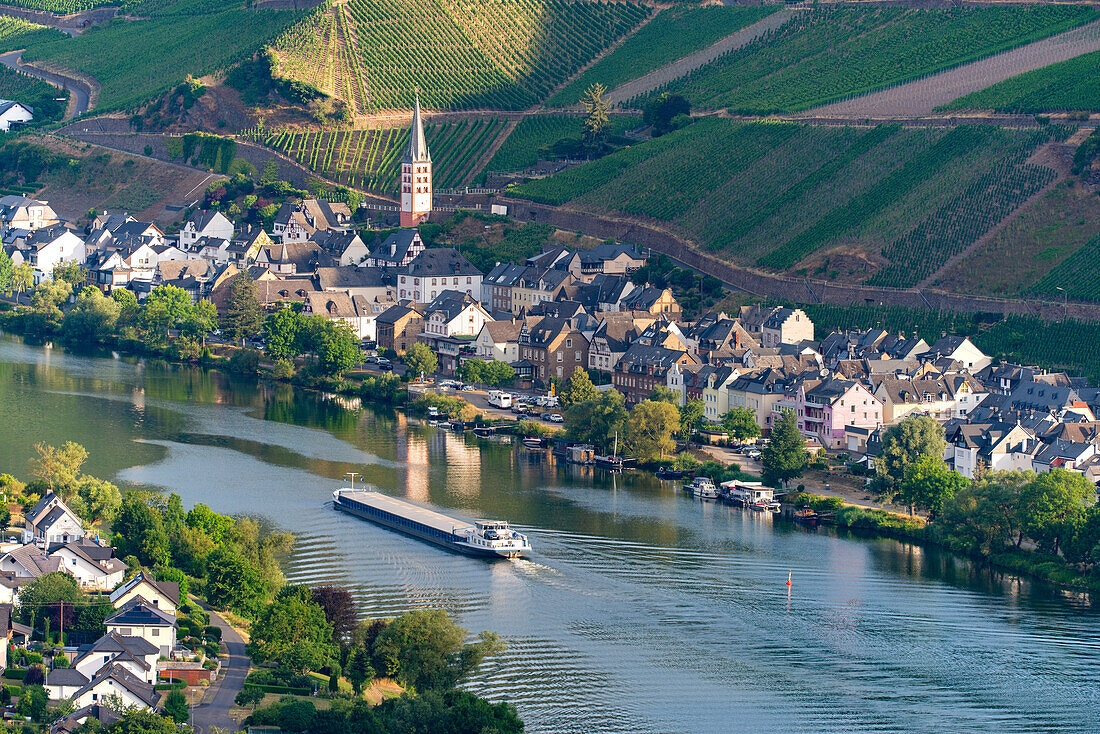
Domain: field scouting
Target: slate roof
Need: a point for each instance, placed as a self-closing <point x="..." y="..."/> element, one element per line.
<point x="395" y="247"/>
<point x="450" y="303"/>
<point x="417" y="152"/>
<point x="440" y="261"/>
<point x="350" y="276"/>
<point x="169" y="589"/>
<point x="34" y="560"/>
<point x="641" y="299"/>
<point x="138" y="612"/>
<point x="120" y="675"/>
<point x="504" y="275"/>
<point x="66" y="677"/>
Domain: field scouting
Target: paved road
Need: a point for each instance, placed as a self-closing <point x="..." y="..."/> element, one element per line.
<point x="215" y="711"/>
<point x="81" y="100"/>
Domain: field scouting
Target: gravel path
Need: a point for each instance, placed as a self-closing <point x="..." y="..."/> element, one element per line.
<point x="659" y="77"/>
<point x="923" y="96"/>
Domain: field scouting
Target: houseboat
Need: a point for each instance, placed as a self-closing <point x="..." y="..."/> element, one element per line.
<point x="702" y="488"/>
<point x="748" y="494"/>
<point x="483" y="538"/>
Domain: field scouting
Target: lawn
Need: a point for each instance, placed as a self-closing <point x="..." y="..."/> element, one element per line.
<point x="828" y="55"/>
<point x="135" y="61"/>
<point x="1067" y="86"/>
<point x="671" y="35"/>
<point x="887" y="205"/>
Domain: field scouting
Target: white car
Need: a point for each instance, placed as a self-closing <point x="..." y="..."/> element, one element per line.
<point x="556" y="418"/>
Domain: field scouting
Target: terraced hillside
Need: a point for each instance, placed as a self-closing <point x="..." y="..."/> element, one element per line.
<point x="1072" y="85"/>
<point x="886" y="205"/>
<point x="671" y="35"/>
<point x="16" y="34"/>
<point x="521" y="149"/>
<point x="828" y="55"/>
<point x="48" y="102"/>
<point x="137" y="60"/>
<point x="370" y="159"/>
<point x="460" y="54"/>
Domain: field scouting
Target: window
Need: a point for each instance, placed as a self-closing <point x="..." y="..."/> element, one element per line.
<point x="156" y="632"/>
<point x="568" y="342"/>
<point x="559" y="355"/>
<point x="433" y="281"/>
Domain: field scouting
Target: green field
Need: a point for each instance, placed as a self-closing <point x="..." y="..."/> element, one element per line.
<point x="135" y="61"/>
<point x="1078" y="275"/>
<point x="1072" y="346"/>
<point x="1068" y="86"/>
<point x="521" y="149"/>
<point x="460" y="54"/>
<point x="370" y="159"/>
<point x="824" y="56"/>
<point x="671" y="35"/>
<point x="886" y="205"/>
<point x="16" y="34"/>
<point x="63" y="7"/>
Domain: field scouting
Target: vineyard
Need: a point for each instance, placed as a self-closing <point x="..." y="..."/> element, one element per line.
<point x="460" y="54"/>
<point x="1067" y="86"/>
<point x="888" y="204"/>
<point x="1078" y="275"/>
<point x="40" y="96"/>
<point x="16" y="34"/>
<point x="1072" y="346"/>
<point x="828" y="55"/>
<point x="370" y="159"/>
<point x="135" y="61"/>
<point x="521" y="149"/>
<point x="62" y="7"/>
<point x="671" y="35"/>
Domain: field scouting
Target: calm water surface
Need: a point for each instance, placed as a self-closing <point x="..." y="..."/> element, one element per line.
<point x="642" y="609"/>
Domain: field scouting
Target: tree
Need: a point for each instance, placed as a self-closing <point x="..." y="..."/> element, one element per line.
<point x="139" y="531"/>
<point x="6" y="268"/>
<point x="70" y="272"/>
<point x="596" y="121"/>
<point x="49" y="596"/>
<point x="691" y="417"/>
<point x="202" y="320"/>
<point x="99" y="500"/>
<point x="59" y="467"/>
<point x="661" y="110"/>
<point x="339" y="607"/>
<point x="650" y="427"/>
<point x="1051" y="500"/>
<point x="282" y="329"/>
<point x="428" y="647"/>
<point x="987" y="511"/>
<point x="249" y="696"/>
<point x="740" y="423"/>
<point x="92" y="319"/>
<point x="22" y="277"/>
<point x="577" y="389"/>
<point x="360" y="672"/>
<point x="1080" y="541"/>
<point x="233" y="582"/>
<point x="929" y="484"/>
<point x="32" y="702"/>
<point x="472" y="371"/>
<point x="294" y="634"/>
<point x="175" y="706"/>
<point x="138" y="721"/>
<point x="597" y="421"/>
<point x="904" y="443"/>
<point x="420" y="360"/>
<point x="498" y="374"/>
<point x="48" y="297"/>
<point x="242" y="308"/>
<point x="785" y="456"/>
<point x="662" y="394"/>
<point x="155" y="320"/>
<point x="177" y="303"/>
<point x="337" y="349"/>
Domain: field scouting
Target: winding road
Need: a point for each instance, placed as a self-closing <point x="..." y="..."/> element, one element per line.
<point x="80" y="98"/>
<point x="215" y="710"/>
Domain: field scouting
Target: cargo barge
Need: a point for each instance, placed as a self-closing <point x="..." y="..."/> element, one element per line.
<point x="484" y="538"/>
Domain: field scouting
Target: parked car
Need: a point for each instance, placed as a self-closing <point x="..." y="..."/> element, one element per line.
<point x="753" y="454"/>
<point x="467" y="388"/>
<point x="547" y="416"/>
<point x="556" y="418"/>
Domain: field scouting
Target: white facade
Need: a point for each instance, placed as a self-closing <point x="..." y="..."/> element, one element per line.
<point x="66" y="248"/>
<point x="14" y="113"/>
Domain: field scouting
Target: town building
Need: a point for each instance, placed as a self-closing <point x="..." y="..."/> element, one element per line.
<point x="416" y="176"/>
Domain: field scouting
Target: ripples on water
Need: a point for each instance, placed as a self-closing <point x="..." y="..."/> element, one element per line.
<point x="642" y="610"/>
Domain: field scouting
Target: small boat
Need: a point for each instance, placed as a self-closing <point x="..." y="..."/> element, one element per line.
<point x="702" y="488"/>
<point x="666" y="473"/>
<point x="613" y="462"/>
<point x="533" y="443"/>
<point x="764" y="505"/>
<point x="806" y="515"/>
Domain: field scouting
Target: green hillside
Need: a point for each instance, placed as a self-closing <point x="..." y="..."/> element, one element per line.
<point x="671" y="35"/>
<point x="1072" y="85"/>
<point x="886" y="205"/>
<point x="460" y="54"/>
<point x="521" y="149"/>
<point x="137" y="60"/>
<point x="16" y="34"/>
<point x="823" y="56"/>
<point x="38" y="95"/>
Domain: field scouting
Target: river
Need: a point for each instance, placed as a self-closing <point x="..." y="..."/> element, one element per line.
<point x="642" y="610"/>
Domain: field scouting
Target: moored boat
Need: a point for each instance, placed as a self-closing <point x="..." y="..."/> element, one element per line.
<point x="484" y="538"/>
<point x="666" y="473"/>
<point x="702" y="488"/>
<point x="534" y="443"/>
<point x="806" y="515"/>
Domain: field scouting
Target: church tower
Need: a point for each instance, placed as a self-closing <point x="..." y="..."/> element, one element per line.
<point x="416" y="175"/>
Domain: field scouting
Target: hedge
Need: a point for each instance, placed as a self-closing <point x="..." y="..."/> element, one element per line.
<point x="170" y="686"/>
<point x="280" y="689"/>
<point x="15" y="673"/>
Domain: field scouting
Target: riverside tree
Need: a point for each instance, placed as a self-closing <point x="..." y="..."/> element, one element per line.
<point x="740" y="423"/>
<point x="430" y="649"/>
<point x="242" y="308"/>
<point x="650" y="427"/>
<point x="577" y="389"/>
<point x="928" y="484"/>
<point x="902" y="444"/>
<point x="92" y="319"/>
<point x="420" y="360"/>
<point x="785" y="456"/>
<point x="691" y="418"/>
<point x="597" y="421"/>
<point x="293" y="633"/>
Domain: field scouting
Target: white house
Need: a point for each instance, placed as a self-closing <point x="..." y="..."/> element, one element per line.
<point x="51" y="521"/>
<point x="20" y="212"/>
<point x="454" y="313"/>
<point x="437" y="270"/>
<point x="499" y="341"/>
<point x="141" y="619"/>
<point x="52" y="246"/>
<point x="92" y="564"/>
<point x="14" y="113"/>
<point x="164" y="595"/>
<point x="135" y="654"/>
<point x="959" y="349"/>
<point x="29" y="562"/>
<point x="205" y="223"/>
<point x="117" y="682"/>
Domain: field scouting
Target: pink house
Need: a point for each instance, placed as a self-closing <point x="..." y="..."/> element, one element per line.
<point x="824" y="407"/>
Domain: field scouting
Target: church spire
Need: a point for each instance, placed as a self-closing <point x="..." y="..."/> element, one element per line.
<point x="418" y="146"/>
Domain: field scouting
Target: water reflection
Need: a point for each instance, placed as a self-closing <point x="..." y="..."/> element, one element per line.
<point x="643" y="609"/>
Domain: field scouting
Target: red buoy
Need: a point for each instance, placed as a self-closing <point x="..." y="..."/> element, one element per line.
<point x="788" y="578"/>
